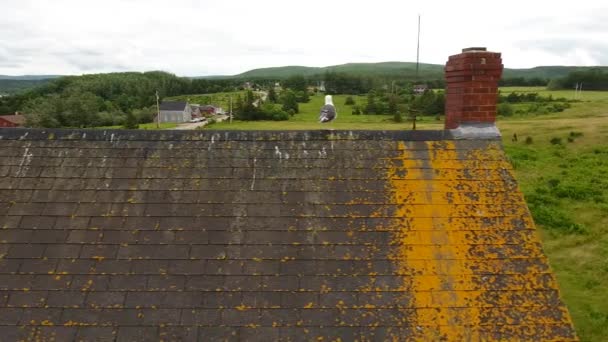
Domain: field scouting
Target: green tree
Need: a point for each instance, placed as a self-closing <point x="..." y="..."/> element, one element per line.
<point x="505" y="109"/>
<point x="289" y="101"/>
<point x="392" y="104"/>
<point x="370" y="107"/>
<point x="130" y="122"/>
<point x="302" y="96"/>
<point x="349" y="101"/>
<point x="272" y="95"/>
<point x="296" y="83"/>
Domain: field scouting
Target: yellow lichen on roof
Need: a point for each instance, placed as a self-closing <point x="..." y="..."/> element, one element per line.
<point x="451" y="259"/>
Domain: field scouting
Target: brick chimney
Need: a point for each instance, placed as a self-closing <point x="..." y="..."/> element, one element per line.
<point x="472" y="87"/>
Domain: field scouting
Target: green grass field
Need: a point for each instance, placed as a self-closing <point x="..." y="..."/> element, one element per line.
<point x="307" y="119"/>
<point x="568" y="94"/>
<point x="565" y="184"/>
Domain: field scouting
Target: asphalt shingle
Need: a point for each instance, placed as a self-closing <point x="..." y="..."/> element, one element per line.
<point x="150" y="235"/>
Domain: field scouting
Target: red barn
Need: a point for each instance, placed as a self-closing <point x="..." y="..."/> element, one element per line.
<point x="12" y="120"/>
<point x="208" y="110"/>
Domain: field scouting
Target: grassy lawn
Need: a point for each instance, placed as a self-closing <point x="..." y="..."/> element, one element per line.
<point x="568" y="94"/>
<point x="151" y="125"/>
<point x="565" y="184"/>
<point x="307" y="119"/>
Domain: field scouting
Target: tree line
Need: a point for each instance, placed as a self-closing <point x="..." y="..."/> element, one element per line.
<point x="592" y="79"/>
<point x="103" y="99"/>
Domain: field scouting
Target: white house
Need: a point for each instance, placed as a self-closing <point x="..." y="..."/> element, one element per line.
<point x="175" y="111"/>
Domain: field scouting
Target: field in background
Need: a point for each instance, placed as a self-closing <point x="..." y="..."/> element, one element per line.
<point x="568" y="94"/>
<point x="308" y="117"/>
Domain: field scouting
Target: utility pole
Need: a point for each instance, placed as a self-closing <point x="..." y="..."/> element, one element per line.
<point x="418" y="49"/>
<point x="157" y="111"/>
<point x="230" y="109"/>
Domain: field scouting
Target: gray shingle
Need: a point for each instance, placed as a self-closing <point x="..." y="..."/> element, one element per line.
<point x="149" y="235"/>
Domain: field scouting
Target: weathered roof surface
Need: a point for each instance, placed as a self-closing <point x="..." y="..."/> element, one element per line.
<point x="133" y="235"/>
<point x="173" y="105"/>
<point x="16" y="119"/>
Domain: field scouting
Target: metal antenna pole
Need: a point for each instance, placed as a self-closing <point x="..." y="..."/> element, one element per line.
<point x="157" y="111"/>
<point x="418" y="48"/>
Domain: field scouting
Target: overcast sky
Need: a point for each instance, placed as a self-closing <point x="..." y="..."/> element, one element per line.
<point x="191" y="38"/>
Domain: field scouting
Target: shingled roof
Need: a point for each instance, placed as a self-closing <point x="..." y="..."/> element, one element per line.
<point x="160" y="235"/>
<point x="173" y="105"/>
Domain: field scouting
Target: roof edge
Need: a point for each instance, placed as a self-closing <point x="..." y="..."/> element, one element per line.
<point x="115" y="135"/>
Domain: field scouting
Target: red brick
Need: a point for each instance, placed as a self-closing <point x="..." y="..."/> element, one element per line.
<point x="471" y="87"/>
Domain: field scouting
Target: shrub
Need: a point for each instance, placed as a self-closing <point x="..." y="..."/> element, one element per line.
<point x="576" y="191"/>
<point x="505" y="109"/>
<point x="556" y="141"/>
<point x="349" y="101"/>
<point x="553" y="182"/>
<point x="397" y="117"/>
<point x="130" y="121"/>
<point x="576" y="134"/>
<point x="356" y="110"/>
<point x="554" y="219"/>
<point x="280" y="116"/>
<point x="302" y="97"/>
<point x="529" y="141"/>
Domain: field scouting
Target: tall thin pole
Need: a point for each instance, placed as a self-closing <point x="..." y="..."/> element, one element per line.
<point x="157" y="111"/>
<point x="418" y="48"/>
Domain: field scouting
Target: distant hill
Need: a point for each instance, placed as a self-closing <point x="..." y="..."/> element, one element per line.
<point x="361" y="69"/>
<point x="547" y="72"/>
<point x="28" y="77"/>
<point x="405" y="69"/>
<point x="11" y="86"/>
<point x="15" y="84"/>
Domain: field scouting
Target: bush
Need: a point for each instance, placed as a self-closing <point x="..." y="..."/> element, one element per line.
<point x="349" y="101"/>
<point x="130" y="121"/>
<point x="273" y="112"/>
<point x="356" y="110"/>
<point x="556" y="141"/>
<point x="505" y="109"/>
<point x="529" y="141"/>
<point x="576" y="134"/>
<point x="289" y="100"/>
<point x="280" y="116"/>
<point x="302" y="97"/>
<point x="397" y="117"/>
<point x="554" y="219"/>
<point x="576" y="191"/>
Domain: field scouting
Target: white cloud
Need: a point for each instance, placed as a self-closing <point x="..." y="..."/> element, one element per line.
<point x="191" y="37"/>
